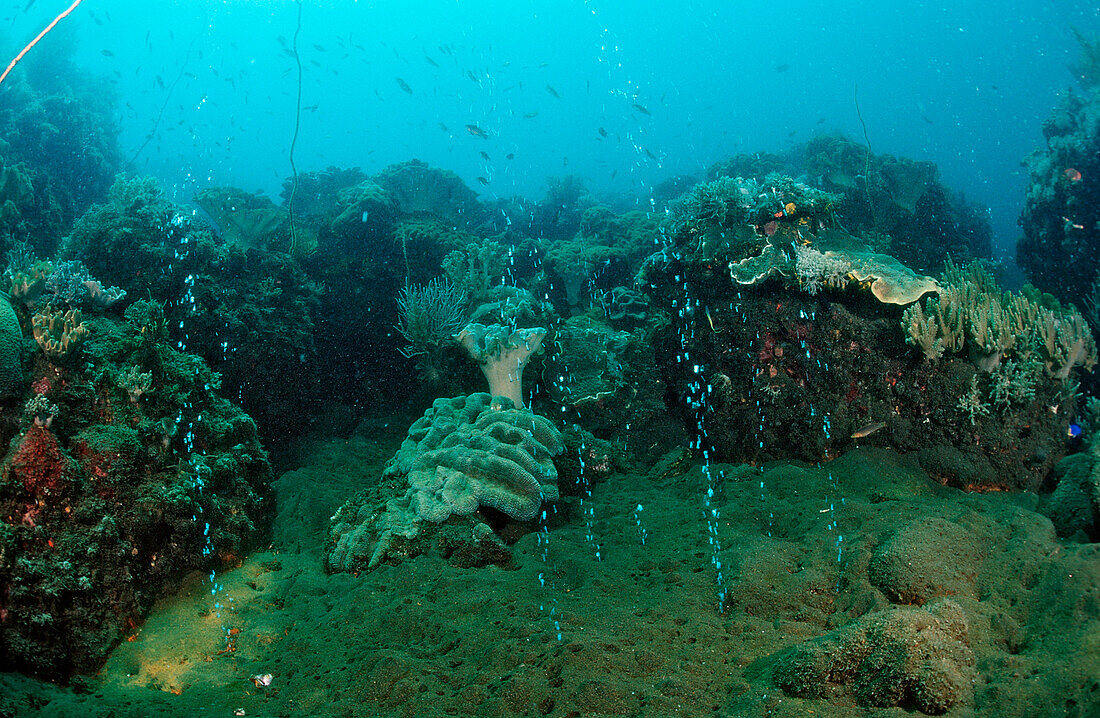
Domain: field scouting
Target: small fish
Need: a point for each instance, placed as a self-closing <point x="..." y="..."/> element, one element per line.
<point x="443" y="127"/>
<point x="430" y="61"/>
<point x="28" y="5"/>
<point x="1074" y="431"/>
<point x="782" y="67"/>
<point x="868" y="429"/>
<point x="510" y="156"/>
<point x="1072" y="174"/>
<point x="404" y="85"/>
<point x="641" y="109"/>
<point x="106" y="53"/>
<point x="318" y="48"/>
<point x="160" y="82"/>
<point x="603" y="132"/>
<point x="483" y="181"/>
<point x="310" y="108"/>
<point x="485" y="155"/>
<point x="470" y="74"/>
<point x="553" y="92"/>
<point x="650" y="155"/>
<point x="477" y="132"/>
<point x="530" y="115"/>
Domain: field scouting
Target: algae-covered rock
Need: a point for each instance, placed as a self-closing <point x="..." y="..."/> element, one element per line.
<point x="418" y="189"/>
<point x="610" y="383"/>
<point x="1074" y="505"/>
<point x="895" y="657"/>
<point x="111" y="499"/>
<point x="909" y="567"/>
<point x="1061" y="215"/>
<point x="899" y="201"/>
<point x="363" y="211"/>
<point x="370" y="528"/>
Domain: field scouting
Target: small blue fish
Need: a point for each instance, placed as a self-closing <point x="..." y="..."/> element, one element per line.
<point x="1074" y="431"/>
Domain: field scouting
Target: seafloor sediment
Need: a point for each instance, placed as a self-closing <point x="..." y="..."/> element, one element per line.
<point x="824" y="573"/>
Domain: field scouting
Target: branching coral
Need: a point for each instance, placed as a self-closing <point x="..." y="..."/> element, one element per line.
<point x="973" y="403"/>
<point x="71" y="283"/>
<point x="1065" y="342"/>
<point x="728" y="202"/>
<point x="817" y="270"/>
<point x="1014" y="383"/>
<point x="972" y="311"/>
<point x="476" y="269"/>
<point x="136" y="383"/>
<point x="923" y="331"/>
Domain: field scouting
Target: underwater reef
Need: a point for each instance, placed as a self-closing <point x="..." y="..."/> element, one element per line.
<point x="248" y="311"/>
<point x="1061" y="216"/>
<point x="761" y="415"/>
<point x="787" y="338"/>
<point x="124" y="470"/>
<point x="897" y="205"/>
<point x="59" y="150"/>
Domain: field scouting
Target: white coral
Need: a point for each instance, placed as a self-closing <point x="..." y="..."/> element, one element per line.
<point x="817" y="270"/>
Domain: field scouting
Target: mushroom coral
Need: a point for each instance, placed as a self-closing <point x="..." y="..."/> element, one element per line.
<point x="502" y="352"/>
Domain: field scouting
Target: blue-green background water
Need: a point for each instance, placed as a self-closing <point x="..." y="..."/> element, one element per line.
<point x="212" y="86"/>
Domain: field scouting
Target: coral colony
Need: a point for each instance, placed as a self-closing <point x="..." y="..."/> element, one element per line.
<point x="745" y="342"/>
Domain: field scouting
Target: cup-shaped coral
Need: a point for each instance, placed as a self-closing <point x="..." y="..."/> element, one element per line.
<point x="502" y="352"/>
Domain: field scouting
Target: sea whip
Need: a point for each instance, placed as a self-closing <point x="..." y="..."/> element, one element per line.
<point x="34" y="42"/>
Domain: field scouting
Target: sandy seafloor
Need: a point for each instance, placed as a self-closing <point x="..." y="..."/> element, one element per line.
<point x="640" y="633"/>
